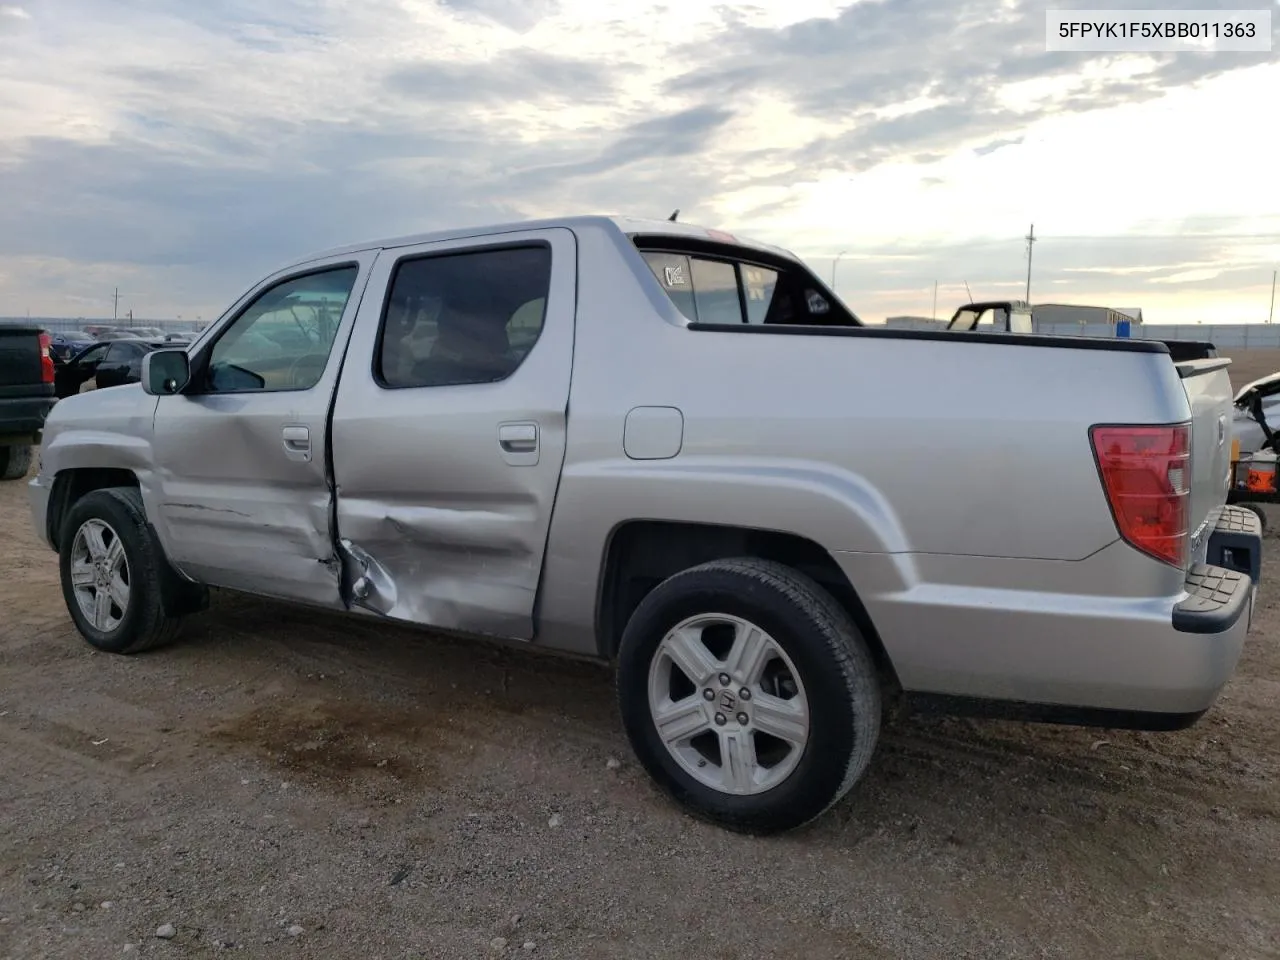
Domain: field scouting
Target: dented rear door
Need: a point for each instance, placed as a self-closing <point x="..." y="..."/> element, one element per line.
<point x="449" y="429"/>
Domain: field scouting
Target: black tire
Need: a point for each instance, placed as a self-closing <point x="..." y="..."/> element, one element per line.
<point x="157" y="596"/>
<point x="832" y="661"/>
<point x="1262" y="514"/>
<point x="15" y="461"/>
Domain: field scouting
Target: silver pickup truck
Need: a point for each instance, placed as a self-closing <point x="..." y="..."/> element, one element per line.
<point x="679" y="451"/>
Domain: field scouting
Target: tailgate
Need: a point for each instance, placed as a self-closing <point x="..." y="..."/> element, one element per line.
<point x="1208" y="387"/>
<point x="20" y="361"/>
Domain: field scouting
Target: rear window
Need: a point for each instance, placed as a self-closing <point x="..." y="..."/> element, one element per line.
<point x="711" y="288"/>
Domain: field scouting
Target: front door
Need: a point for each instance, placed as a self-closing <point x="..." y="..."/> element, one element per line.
<point x="123" y="359"/>
<point x="241" y="454"/>
<point x="448" y="445"/>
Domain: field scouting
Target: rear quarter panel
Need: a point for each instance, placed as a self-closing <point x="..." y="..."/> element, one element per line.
<point x="883" y="448"/>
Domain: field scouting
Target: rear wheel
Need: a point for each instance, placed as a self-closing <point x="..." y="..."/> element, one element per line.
<point x="1257" y="509"/>
<point x="117" y="584"/>
<point x="748" y="694"/>
<point x="15" y="461"/>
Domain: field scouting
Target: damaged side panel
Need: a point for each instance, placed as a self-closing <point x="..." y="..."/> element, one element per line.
<point x="244" y="493"/>
<point x="449" y="430"/>
<point x="272" y="541"/>
<point x="467" y="565"/>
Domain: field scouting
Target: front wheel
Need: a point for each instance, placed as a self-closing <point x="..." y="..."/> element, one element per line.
<point x="118" y="586"/>
<point x="748" y="694"/>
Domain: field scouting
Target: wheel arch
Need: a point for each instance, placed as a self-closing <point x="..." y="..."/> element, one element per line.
<point x="640" y="554"/>
<point x="73" y="483"/>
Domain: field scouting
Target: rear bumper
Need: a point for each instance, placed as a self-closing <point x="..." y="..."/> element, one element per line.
<point x="24" y="417"/>
<point x="1021" y="652"/>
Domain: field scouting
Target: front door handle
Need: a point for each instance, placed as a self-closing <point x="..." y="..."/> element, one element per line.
<point x="519" y="443"/>
<point x="296" y="440"/>
<point x="518" y="437"/>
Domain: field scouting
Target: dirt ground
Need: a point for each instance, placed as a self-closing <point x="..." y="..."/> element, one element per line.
<point x="285" y="784"/>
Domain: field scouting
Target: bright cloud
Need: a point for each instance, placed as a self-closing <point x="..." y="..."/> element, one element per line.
<point x="181" y="150"/>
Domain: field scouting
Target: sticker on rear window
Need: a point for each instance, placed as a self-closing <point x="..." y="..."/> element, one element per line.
<point x="817" y="302"/>
<point x="675" y="277"/>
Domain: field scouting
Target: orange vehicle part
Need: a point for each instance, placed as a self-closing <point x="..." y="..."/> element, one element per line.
<point x="1261" y="481"/>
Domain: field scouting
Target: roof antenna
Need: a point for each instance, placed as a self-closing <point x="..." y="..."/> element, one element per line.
<point x="674" y="213"/>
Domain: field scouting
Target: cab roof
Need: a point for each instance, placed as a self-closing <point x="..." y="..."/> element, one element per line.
<point x="628" y="226"/>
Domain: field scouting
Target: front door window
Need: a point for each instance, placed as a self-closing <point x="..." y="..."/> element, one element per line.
<point x="283" y="338"/>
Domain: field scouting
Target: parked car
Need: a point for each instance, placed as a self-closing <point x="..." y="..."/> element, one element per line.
<point x="1013" y="316"/>
<point x="110" y="363"/>
<point x="678" y="451"/>
<point x="1257" y="415"/>
<point x="114" y="333"/>
<point x="26" y="394"/>
<point x="1016" y="316"/>
<point x="67" y="343"/>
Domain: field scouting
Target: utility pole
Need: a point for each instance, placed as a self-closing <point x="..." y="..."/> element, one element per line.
<point x="1272" y="311"/>
<point x="115" y="304"/>
<point x="833" y="268"/>
<point x="935" y="299"/>
<point x="1031" y="239"/>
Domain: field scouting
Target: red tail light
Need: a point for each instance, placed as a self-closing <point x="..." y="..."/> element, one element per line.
<point x="1146" y="473"/>
<point x="46" y="361"/>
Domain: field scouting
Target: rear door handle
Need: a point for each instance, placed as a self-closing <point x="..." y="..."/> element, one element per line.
<point x="519" y="443"/>
<point x="296" y="440"/>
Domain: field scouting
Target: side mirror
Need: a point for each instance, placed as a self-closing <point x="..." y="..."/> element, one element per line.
<point x="165" y="372"/>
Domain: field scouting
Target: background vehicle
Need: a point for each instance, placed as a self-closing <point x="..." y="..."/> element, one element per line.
<point x="26" y="395"/>
<point x="101" y="333"/>
<point x="1016" y="316"/>
<point x="1257" y="415"/>
<point x="1255" y="446"/>
<point x="109" y="363"/>
<point x="1013" y="316"/>
<point x="673" y="449"/>
<point x="67" y="343"/>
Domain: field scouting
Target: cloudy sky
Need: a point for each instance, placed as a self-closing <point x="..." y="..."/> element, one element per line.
<point x="179" y="149"/>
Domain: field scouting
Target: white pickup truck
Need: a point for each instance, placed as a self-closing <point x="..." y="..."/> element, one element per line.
<point x="679" y="451"/>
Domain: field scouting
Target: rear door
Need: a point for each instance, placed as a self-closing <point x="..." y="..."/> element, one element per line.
<point x="115" y="366"/>
<point x="72" y="376"/>
<point x="244" y="489"/>
<point x="449" y="429"/>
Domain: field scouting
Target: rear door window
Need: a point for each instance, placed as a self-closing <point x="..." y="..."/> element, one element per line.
<point x="715" y="291"/>
<point x="673" y="272"/>
<point x="704" y="290"/>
